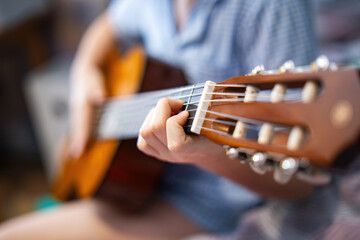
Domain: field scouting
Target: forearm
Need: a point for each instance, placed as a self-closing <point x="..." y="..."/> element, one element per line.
<point x="87" y="81"/>
<point x="242" y="174"/>
<point x="95" y="44"/>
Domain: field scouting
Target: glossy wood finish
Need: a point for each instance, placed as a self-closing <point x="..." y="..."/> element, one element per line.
<point x="324" y="139"/>
<point x="110" y="168"/>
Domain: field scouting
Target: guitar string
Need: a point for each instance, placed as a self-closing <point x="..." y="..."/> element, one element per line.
<point x="134" y="116"/>
<point x="263" y="98"/>
<point x="135" y="113"/>
<point x="252" y="124"/>
<point x="263" y="95"/>
<point x="181" y="89"/>
<point x="118" y="108"/>
<point x="230" y="123"/>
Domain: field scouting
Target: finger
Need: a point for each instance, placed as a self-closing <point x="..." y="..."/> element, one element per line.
<point x="163" y="111"/>
<point x="146" y="148"/>
<point x="176" y="136"/>
<point x="147" y="134"/>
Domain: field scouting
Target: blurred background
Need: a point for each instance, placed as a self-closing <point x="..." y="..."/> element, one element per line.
<point x="38" y="39"/>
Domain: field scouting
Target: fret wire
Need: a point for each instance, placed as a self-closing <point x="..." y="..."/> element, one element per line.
<point x="189" y="99"/>
<point x="114" y="105"/>
<point x="142" y="107"/>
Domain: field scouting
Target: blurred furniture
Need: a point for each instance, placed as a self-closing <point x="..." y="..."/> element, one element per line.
<point x="47" y="91"/>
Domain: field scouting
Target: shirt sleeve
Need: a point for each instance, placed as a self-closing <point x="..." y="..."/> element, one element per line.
<point x="125" y="19"/>
<point x="272" y="32"/>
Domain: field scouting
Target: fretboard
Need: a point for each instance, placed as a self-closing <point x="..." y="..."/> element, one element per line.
<point x="121" y="118"/>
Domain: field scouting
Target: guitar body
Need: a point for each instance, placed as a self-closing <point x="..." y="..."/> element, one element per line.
<point x="115" y="169"/>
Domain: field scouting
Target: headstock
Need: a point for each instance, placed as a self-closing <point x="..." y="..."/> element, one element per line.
<point x="286" y="120"/>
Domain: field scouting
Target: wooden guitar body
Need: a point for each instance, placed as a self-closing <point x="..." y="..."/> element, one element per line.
<point x="115" y="169"/>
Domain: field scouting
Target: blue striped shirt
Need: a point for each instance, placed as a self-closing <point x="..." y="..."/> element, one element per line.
<point x="221" y="39"/>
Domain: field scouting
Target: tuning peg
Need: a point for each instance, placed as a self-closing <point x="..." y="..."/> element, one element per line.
<point x="287" y="167"/>
<point x="258" y="70"/>
<point x="321" y="63"/>
<point x="288" y="66"/>
<point x="232" y="153"/>
<point x="258" y="163"/>
<point x="236" y="153"/>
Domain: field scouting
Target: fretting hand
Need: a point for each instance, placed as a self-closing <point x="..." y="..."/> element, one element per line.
<point x="162" y="136"/>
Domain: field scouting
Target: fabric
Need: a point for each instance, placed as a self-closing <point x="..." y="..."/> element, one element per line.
<point x="221" y="39"/>
<point x="331" y="213"/>
<point x="338" y="34"/>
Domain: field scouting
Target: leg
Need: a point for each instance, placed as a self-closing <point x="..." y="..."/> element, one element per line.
<point x="94" y="219"/>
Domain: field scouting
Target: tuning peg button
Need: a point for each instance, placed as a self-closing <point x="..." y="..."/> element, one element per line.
<point x="288" y="66"/>
<point x="258" y="163"/>
<point x="321" y="63"/>
<point x="287" y="167"/>
<point x="232" y="153"/>
<point x="260" y="69"/>
<point x="236" y="153"/>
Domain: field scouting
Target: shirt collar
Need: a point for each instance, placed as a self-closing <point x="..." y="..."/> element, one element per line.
<point x="197" y="24"/>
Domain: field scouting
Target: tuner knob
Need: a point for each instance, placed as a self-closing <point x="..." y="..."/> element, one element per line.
<point x="287" y="167"/>
<point x="232" y="153"/>
<point x="321" y="63"/>
<point x="258" y="70"/>
<point x="288" y="66"/>
<point x="235" y="153"/>
<point x="258" y="163"/>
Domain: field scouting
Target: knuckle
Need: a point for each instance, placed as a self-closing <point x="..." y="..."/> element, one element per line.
<point x="145" y="133"/>
<point x="175" y="147"/>
<point x="142" y="145"/>
<point x="169" y="122"/>
<point x="163" y="101"/>
<point x="156" y="127"/>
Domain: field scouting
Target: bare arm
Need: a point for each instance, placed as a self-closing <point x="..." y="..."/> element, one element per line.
<point x="97" y="40"/>
<point x="162" y="136"/>
<point x="87" y="81"/>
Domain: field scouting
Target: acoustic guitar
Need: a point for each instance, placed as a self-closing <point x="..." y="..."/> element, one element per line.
<point x="293" y="121"/>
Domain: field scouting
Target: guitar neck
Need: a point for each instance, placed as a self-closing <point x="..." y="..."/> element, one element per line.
<point x="121" y="118"/>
